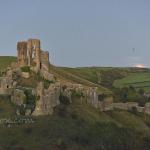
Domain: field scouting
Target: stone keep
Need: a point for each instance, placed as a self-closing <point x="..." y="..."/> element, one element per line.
<point x="30" y="54"/>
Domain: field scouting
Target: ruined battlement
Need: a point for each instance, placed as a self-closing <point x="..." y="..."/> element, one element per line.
<point x="30" y="54"/>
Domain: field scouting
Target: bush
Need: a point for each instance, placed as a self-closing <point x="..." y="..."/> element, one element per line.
<point x="134" y="110"/>
<point x="141" y="92"/>
<point x="22" y="110"/>
<point x="64" y="99"/>
<point x="47" y="83"/>
<point x="77" y="94"/>
<point x="25" y="69"/>
<point x="31" y="99"/>
<point x="101" y="97"/>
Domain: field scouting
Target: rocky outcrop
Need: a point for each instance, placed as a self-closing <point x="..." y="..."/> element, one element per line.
<point x="18" y="97"/>
<point x="7" y="83"/>
<point x="25" y="75"/>
<point x="125" y="106"/>
<point x="91" y="96"/>
<point x="48" y="99"/>
<point x="106" y="104"/>
<point x="129" y="106"/>
<point x="147" y="108"/>
<point x="46" y="75"/>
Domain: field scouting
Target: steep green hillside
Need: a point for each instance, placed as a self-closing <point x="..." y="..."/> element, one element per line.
<point x="79" y="127"/>
<point x="76" y="126"/>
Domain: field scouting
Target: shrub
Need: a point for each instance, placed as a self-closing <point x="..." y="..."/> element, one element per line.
<point x="25" y="69"/>
<point x="141" y="92"/>
<point x="77" y="94"/>
<point x="22" y="110"/>
<point x="134" y="110"/>
<point x="47" y="83"/>
<point x="101" y="97"/>
<point x="30" y="100"/>
<point x="64" y="99"/>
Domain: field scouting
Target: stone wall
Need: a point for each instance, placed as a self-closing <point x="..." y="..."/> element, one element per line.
<point x="129" y="106"/>
<point x="25" y="75"/>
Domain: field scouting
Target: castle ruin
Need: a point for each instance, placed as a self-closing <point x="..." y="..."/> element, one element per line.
<point x="30" y="54"/>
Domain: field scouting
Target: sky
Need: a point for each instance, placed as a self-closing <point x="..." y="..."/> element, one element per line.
<point x="80" y="32"/>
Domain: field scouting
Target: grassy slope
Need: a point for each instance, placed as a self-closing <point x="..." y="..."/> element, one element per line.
<point x="66" y="74"/>
<point x="6" y="108"/>
<point x="70" y="76"/>
<point x="80" y="127"/>
<point x="76" y="127"/>
<point x="5" y="61"/>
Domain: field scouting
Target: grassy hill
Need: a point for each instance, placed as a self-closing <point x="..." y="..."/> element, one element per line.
<point x="71" y="76"/>
<point x="5" y="61"/>
<point x="106" y="75"/>
<point x="77" y="126"/>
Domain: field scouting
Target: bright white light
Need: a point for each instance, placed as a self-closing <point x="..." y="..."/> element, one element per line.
<point x="140" y="66"/>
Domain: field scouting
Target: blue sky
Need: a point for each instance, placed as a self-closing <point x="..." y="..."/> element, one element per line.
<point x="80" y="32"/>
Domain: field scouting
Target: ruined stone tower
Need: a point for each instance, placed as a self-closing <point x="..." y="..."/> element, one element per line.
<point x="22" y="53"/>
<point x="30" y="54"/>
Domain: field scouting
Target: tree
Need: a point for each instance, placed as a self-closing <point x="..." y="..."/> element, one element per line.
<point x="141" y="92"/>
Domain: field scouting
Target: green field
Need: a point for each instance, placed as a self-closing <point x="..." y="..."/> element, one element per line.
<point x="137" y="80"/>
